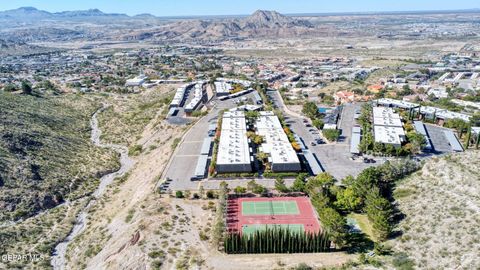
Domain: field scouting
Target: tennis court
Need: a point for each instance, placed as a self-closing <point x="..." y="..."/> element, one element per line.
<point x="270" y="208"/>
<point x="252" y="228"/>
<point x="247" y="215"/>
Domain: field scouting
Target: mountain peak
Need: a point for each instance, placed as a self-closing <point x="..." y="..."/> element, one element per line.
<point x="267" y="15"/>
<point x="272" y="19"/>
<point x="27" y="9"/>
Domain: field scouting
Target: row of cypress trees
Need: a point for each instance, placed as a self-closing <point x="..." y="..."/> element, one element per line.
<point x="276" y="240"/>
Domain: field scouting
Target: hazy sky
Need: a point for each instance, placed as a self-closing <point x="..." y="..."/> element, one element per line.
<point x="235" y="7"/>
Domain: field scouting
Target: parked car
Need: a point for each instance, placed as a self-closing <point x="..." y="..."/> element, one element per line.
<point x="305" y="121"/>
<point x="320" y="141"/>
<point x="313" y="144"/>
<point x="308" y="125"/>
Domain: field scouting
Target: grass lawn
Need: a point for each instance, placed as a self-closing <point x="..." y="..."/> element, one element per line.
<point x="364" y="224"/>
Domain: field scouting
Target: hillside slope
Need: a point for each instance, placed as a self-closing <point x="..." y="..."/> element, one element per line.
<point x="442" y="208"/>
<point x="46" y="156"/>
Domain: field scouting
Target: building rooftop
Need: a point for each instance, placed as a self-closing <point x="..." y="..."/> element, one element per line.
<point x="389" y="135"/>
<point x="233" y="147"/>
<point x="223" y="88"/>
<point x="276" y="142"/>
<point x="397" y="103"/>
<point x="354" y="143"/>
<point x="453" y="141"/>
<point x="234" y="123"/>
<point x="201" y="168"/>
<point x="440" y="113"/>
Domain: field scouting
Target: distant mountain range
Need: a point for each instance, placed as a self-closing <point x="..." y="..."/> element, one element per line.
<point x="28" y="24"/>
<point x="31" y="12"/>
<point x="41" y="26"/>
<point x="260" y="24"/>
<point x="28" y="13"/>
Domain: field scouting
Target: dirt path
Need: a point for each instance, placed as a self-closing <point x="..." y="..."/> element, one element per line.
<point x="58" y="258"/>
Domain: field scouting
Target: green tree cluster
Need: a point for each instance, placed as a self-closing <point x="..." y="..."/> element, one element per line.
<point x="256" y="188"/>
<point x="331" y="134"/>
<point x="370" y="192"/>
<point x="276" y="240"/>
<point x="310" y="109"/>
<point x="280" y="186"/>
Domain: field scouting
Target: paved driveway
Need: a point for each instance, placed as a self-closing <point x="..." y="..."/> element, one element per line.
<point x="334" y="157"/>
<point x="184" y="161"/>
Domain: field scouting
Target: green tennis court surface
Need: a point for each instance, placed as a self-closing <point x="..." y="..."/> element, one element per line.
<point x="249" y="229"/>
<point x="269" y="208"/>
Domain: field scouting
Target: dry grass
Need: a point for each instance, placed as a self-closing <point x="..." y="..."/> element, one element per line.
<point x="124" y="121"/>
<point x="442" y="209"/>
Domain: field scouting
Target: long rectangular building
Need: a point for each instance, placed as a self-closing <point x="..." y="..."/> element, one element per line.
<point x="282" y="156"/>
<point x="389" y="135"/>
<point x="198" y="95"/>
<point x="383" y="116"/>
<point x="388" y="127"/>
<point x="429" y="112"/>
<point x="179" y="98"/>
<point x="233" y="150"/>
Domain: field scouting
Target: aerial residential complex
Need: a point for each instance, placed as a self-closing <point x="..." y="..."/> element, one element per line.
<point x="234" y="150"/>
<point x="235" y="153"/>
<point x="282" y="156"/>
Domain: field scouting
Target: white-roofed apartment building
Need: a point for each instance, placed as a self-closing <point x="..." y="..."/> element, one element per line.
<point x="282" y="156"/>
<point x="234" y="150"/>
<point x="388" y="127"/>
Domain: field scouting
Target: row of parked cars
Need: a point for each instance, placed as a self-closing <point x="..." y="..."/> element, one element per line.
<point x="164" y="187"/>
<point x="313" y="131"/>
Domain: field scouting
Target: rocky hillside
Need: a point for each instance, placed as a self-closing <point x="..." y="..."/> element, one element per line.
<point x="441" y="204"/>
<point x="261" y="24"/>
<point x="8" y="47"/>
<point x="46" y="156"/>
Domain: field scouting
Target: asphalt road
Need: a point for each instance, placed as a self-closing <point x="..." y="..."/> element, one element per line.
<point x="334" y="157"/>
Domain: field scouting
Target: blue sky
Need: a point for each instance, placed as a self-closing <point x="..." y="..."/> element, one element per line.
<point x="234" y="7"/>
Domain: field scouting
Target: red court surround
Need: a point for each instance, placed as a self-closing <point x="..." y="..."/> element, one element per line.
<point x="307" y="215"/>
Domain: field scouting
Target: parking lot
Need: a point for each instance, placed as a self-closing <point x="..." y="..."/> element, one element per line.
<point x="347" y="121"/>
<point x="184" y="160"/>
<point x="335" y="158"/>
